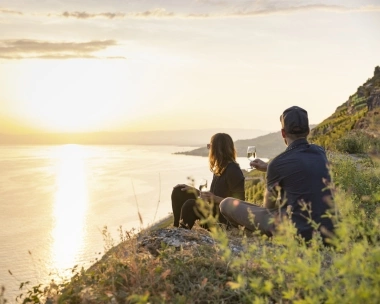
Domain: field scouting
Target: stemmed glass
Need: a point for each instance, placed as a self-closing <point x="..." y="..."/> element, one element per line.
<point x="202" y="185"/>
<point x="251" y="155"/>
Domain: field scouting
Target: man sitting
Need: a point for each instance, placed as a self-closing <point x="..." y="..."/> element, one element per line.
<point x="301" y="176"/>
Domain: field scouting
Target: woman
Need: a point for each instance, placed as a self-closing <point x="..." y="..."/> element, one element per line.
<point x="227" y="181"/>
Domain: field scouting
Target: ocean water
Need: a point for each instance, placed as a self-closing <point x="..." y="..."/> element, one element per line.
<point x="56" y="200"/>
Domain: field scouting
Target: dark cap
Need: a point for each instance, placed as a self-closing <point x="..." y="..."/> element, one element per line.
<point x="294" y="120"/>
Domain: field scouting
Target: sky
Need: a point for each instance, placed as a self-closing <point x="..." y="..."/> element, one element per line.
<point x="148" y="65"/>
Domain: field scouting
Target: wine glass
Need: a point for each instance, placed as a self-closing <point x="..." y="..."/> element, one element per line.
<point x="202" y="185"/>
<point x="251" y="155"/>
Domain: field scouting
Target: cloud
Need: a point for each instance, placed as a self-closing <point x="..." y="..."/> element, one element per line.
<point x="11" y="12"/>
<point x="212" y="2"/>
<point x="301" y="8"/>
<point x="273" y="10"/>
<point x="228" y="10"/>
<point x="231" y="12"/>
<point x="157" y="12"/>
<point x="27" y="48"/>
<point x="85" y="15"/>
<point x="154" y="13"/>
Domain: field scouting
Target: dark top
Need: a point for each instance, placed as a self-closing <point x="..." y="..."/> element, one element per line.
<point x="302" y="173"/>
<point x="230" y="183"/>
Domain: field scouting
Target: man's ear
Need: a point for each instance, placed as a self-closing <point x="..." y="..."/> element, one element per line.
<point x="283" y="133"/>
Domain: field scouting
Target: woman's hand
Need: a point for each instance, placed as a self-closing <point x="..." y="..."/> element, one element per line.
<point x="187" y="188"/>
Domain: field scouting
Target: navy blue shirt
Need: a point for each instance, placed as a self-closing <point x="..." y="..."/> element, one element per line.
<point x="302" y="173"/>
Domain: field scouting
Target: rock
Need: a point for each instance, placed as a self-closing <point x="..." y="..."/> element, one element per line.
<point x="373" y="101"/>
<point x="179" y="238"/>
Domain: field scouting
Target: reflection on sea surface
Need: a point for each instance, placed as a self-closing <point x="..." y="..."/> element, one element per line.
<point x="55" y="200"/>
<point x="70" y="207"/>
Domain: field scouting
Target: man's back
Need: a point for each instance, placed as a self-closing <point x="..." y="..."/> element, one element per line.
<point x="302" y="173"/>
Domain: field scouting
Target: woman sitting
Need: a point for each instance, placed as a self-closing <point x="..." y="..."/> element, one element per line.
<point x="227" y="181"/>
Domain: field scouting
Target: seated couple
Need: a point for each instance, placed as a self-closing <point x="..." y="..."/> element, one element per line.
<point x="299" y="175"/>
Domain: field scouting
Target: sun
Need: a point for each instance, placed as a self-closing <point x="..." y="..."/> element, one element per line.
<point x="78" y="95"/>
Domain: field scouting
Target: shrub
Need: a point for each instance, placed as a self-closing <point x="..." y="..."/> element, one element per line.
<point x="360" y="177"/>
<point x="353" y="143"/>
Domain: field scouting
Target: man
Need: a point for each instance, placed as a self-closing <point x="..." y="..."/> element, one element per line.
<point x="299" y="176"/>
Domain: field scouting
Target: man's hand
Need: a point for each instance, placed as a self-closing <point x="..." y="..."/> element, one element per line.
<point x="259" y="165"/>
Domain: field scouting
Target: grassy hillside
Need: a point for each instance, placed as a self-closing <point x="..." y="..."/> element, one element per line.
<point x="357" y="117"/>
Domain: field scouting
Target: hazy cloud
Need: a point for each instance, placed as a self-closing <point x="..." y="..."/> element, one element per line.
<point x="26" y="48"/>
<point x="316" y="7"/>
<point x="157" y="12"/>
<point x="212" y="2"/>
<point x="273" y="10"/>
<point x="154" y="13"/>
<point x="246" y="9"/>
<point x="231" y="12"/>
<point x="8" y="11"/>
<point x="85" y="15"/>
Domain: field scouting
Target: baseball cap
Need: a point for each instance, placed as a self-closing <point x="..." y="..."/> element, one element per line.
<point x="294" y="120"/>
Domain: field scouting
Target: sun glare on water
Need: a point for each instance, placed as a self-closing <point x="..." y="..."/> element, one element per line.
<point x="70" y="207"/>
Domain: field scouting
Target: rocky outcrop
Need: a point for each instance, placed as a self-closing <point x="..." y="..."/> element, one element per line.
<point x="180" y="238"/>
<point x="373" y="101"/>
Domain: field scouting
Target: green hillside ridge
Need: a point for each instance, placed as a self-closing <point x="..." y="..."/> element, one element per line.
<point x="360" y="114"/>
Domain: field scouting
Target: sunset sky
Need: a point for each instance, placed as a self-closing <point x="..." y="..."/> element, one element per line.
<point x="141" y="65"/>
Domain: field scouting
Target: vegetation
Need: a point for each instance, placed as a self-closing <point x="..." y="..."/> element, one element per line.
<point x="254" y="187"/>
<point x="354" y="127"/>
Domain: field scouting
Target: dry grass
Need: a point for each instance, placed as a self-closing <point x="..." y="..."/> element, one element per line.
<point x="146" y="269"/>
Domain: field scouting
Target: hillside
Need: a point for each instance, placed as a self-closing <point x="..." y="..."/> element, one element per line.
<point x="267" y="146"/>
<point x="359" y="113"/>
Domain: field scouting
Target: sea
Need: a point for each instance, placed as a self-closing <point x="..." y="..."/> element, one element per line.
<point x="62" y="206"/>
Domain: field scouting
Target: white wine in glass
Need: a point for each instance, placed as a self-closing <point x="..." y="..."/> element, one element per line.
<point x="251" y="154"/>
<point x="202" y="185"/>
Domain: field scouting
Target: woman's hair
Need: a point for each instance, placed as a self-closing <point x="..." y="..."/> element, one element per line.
<point x="222" y="152"/>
